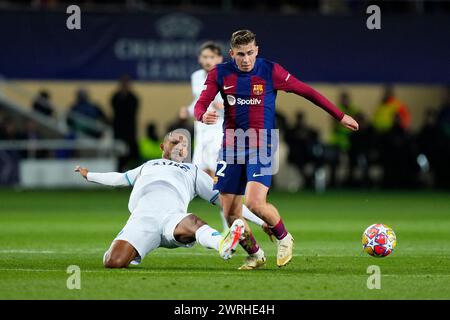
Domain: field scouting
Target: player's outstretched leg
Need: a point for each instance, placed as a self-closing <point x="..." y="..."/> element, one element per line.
<point x="255" y="200"/>
<point x="193" y="228"/>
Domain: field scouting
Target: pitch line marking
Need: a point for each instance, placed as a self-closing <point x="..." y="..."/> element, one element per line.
<point x="134" y="271"/>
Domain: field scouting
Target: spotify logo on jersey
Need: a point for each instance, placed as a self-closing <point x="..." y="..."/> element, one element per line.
<point x="242" y="102"/>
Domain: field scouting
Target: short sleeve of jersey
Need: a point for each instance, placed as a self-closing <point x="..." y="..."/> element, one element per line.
<point x="133" y="174"/>
<point x="204" y="187"/>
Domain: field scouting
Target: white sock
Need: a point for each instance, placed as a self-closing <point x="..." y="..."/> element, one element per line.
<point x="224" y="221"/>
<point x="250" y="216"/>
<point x="208" y="237"/>
<point x="259" y="254"/>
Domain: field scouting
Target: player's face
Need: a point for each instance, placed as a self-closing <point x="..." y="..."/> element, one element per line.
<point x="176" y="147"/>
<point x="245" y="56"/>
<point x="208" y="59"/>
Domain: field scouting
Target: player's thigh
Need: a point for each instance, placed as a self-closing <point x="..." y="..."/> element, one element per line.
<point x="231" y="204"/>
<point x="169" y="232"/>
<point x="185" y="230"/>
<point x="255" y="194"/>
<point x="143" y="233"/>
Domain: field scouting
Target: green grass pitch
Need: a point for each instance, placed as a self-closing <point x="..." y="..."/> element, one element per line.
<point x="43" y="232"/>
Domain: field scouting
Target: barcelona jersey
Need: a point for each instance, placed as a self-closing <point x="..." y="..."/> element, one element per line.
<point x="249" y="100"/>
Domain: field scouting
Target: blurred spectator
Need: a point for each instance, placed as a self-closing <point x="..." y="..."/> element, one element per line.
<point x="427" y="139"/>
<point x="9" y="130"/>
<point x="340" y="137"/>
<point x="182" y="122"/>
<point x="442" y="162"/>
<point x="281" y="122"/>
<point x="32" y="134"/>
<point x="149" y="147"/>
<point x="332" y="7"/>
<point x="361" y="153"/>
<point x="398" y="157"/>
<point x="85" y="116"/>
<point x="42" y="103"/>
<point x="304" y="149"/>
<point x="388" y="110"/>
<point x="9" y="159"/>
<point x="125" y="105"/>
<point x="443" y="117"/>
<point x="66" y="153"/>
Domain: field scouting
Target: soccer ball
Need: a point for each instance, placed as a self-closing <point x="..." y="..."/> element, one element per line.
<point x="379" y="240"/>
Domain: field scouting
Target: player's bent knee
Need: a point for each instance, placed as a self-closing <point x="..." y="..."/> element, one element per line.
<point x="197" y="222"/>
<point x="115" y="262"/>
<point x="191" y="223"/>
<point x="185" y="230"/>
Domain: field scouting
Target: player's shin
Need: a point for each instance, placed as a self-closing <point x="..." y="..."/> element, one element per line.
<point x="249" y="243"/>
<point x="208" y="237"/>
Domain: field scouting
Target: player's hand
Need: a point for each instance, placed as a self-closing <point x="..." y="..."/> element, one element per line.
<point x="267" y="230"/>
<point x="82" y="171"/>
<point x="210" y="117"/>
<point x="350" y="123"/>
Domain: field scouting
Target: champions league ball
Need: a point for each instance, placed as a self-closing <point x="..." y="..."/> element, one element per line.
<point x="379" y="240"/>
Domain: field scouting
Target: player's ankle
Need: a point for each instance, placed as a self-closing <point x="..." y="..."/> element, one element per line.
<point x="279" y="230"/>
<point x="258" y="254"/>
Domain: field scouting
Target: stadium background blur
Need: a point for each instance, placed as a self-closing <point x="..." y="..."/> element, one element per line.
<point x="57" y="87"/>
<point x="65" y="100"/>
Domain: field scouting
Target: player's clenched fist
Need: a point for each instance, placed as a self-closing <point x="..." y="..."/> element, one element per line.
<point x="350" y="123"/>
<point x="210" y="117"/>
<point x="82" y="171"/>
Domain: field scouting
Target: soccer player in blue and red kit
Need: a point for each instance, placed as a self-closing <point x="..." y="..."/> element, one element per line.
<point x="248" y="86"/>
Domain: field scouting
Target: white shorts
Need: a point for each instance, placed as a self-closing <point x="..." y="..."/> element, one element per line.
<point x="150" y="227"/>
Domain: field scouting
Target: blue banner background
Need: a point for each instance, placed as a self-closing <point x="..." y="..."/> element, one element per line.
<point x="162" y="47"/>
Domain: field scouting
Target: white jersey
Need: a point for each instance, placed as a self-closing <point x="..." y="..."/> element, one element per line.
<point x="184" y="181"/>
<point x="208" y="138"/>
<point x="198" y="79"/>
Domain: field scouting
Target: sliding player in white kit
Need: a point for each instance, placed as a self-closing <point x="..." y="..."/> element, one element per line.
<point x="162" y="190"/>
<point x="208" y="138"/>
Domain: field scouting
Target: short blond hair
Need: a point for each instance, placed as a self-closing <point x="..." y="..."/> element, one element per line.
<point x="242" y="37"/>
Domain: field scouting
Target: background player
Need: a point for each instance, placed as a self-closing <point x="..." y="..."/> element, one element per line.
<point x="208" y="138"/>
<point x="248" y="86"/>
<point x="162" y="190"/>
